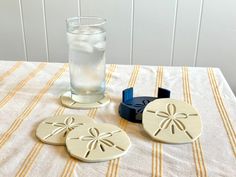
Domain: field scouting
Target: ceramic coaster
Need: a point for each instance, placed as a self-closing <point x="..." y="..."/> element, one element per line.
<point x="172" y="121"/>
<point x="97" y="142"/>
<point x="68" y="102"/>
<point x="53" y="130"/>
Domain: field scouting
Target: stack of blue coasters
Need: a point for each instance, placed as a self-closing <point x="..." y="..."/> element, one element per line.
<point x="131" y="108"/>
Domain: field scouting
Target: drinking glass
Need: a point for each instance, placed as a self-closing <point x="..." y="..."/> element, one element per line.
<point x="86" y="38"/>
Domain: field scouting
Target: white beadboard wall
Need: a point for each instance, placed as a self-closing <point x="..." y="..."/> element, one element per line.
<point x="153" y="32"/>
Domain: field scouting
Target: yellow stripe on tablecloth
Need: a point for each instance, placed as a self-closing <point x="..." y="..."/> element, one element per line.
<point x="132" y="82"/>
<point x="156" y="159"/>
<point x="110" y="72"/>
<point x="27" y="165"/>
<point x="196" y="146"/>
<point x="21" y="84"/>
<point x="66" y="167"/>
<point x="109" y="167"/>
<point x="157" y="156"/>
<point x="153" y="159"/>
<point x="222" y="106"/>
<point x="115" y="166"/>
<point x="157" y="170"/>
<point x="31" y="106"/>
<point x="188" y="100"/>
<point x="60" y="110"/>
<point x="71" y="163"/>
<point x="123" y="124"/>
<point x="71" y="170"/>
<point x="230" y="126"/>
<point x="30" y="158"/>
<point x="11" y="70"/>
<point x="161" y="161"/>
<point x="70" y="166"/>
<point x="222" y="110"/>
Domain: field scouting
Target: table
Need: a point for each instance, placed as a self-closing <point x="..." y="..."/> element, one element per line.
<point x="29" y="92"/>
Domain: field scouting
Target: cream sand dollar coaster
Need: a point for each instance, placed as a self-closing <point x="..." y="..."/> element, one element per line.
<point x="68" y="102"/>
<point x="97" y="142"/>
<point x="172" y="121"/>
<point x="53" y="130"/>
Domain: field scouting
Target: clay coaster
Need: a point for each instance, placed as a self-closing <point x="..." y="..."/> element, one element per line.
<point x="171" y="121"/>
<point x="97" y="142"/>
<point x="68" y="102"/>
<point x="53" y="130"/>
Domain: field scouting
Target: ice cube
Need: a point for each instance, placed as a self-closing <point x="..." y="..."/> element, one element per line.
<point x="82" y="46"/>
<point x="71" y="38"/>
<point x="101" y="45"/>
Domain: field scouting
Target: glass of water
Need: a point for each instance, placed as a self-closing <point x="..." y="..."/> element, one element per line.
<point x="86" y="38"/>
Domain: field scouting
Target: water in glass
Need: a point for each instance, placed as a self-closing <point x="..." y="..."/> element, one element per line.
<point x="87" y="63"/>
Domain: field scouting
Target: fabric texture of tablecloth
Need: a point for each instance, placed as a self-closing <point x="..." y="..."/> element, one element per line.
<point x="29" y="92"/>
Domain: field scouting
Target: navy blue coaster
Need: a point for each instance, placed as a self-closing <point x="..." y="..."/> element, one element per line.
<point x="131" y="108"/>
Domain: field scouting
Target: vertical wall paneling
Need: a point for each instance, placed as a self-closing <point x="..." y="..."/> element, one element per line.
<point x="79" y="8"/>
<point x="23" y="30"/>
<point x="132" y="33"/>
<point x="186" y="34"/>
<point x="118" y="27"/>
<point x="173" y="33"/>
<point x="32" y="12"/>
<point x="198" y="32"/>
<point x="153" y="27"/>
<point x="56" y="14"/>
<point x="157" y="32"/>
<point x="11" y="36"/>
<point x="217" y="42"/>
<point x="45" y="29"/>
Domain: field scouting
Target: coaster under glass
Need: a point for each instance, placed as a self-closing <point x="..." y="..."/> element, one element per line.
<point x="67" y="101"/>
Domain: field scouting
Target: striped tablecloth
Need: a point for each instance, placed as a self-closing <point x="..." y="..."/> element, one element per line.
<point x="29" y="92"/>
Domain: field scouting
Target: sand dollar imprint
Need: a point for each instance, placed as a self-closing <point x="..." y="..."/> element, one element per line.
<point x="97" y="142"/>
<point x="54" y="130"/>
<point x="172" y="121"/>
